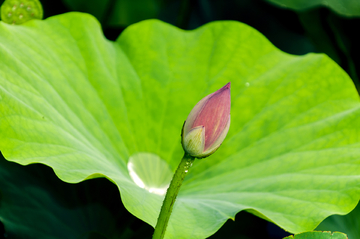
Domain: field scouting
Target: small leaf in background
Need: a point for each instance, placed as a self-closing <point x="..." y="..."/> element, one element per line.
<point x="85" y="106"/>
<point x="349" y="8"/>
<point x="20" y="11"/>
<point x="318" y="235"/>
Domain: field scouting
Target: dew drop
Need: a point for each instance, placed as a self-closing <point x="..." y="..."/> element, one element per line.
<point x="21" y="5"/>
<point x="150" y="172"/>
<point x="21" y="16"/>
<point x="28" y="8"/>
<point x="186" y="170"/>
<point x="9" y="14"/>
<point x="14" y="7"/>
<point x="247" y="84"/>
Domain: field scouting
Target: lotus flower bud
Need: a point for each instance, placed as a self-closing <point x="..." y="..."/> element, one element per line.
<point x="207" y="124"/>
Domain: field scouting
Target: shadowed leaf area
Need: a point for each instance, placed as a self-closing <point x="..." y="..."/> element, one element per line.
<point x="347" y="223"/>
<point x="34" y="203"/>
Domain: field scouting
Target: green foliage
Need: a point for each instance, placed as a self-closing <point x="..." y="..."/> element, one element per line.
<point x="84" y="105"/>
<point x="20" y="11"/>
<point x="350" y="8"/>
<point x="318" y="235"/>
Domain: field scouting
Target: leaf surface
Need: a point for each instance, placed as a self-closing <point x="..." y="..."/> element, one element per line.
<point x="86" y="106"/>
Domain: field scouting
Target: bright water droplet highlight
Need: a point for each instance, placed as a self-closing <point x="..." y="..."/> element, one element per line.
<point x="247" y="84"/>
<point x="150" y="172"/>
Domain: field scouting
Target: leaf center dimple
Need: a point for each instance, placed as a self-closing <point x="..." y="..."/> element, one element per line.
<point x="150" y="172"/>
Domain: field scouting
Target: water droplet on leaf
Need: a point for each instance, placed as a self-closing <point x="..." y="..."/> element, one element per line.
<point x="150" y="172"/>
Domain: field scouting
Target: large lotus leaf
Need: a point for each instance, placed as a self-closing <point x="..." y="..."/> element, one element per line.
<point x="350" y="8"/>
<point x="89" y="108"/>
<point x="34" y="203"/>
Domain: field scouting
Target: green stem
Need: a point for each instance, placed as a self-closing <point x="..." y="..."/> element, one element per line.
<point x="170" y="196"/>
